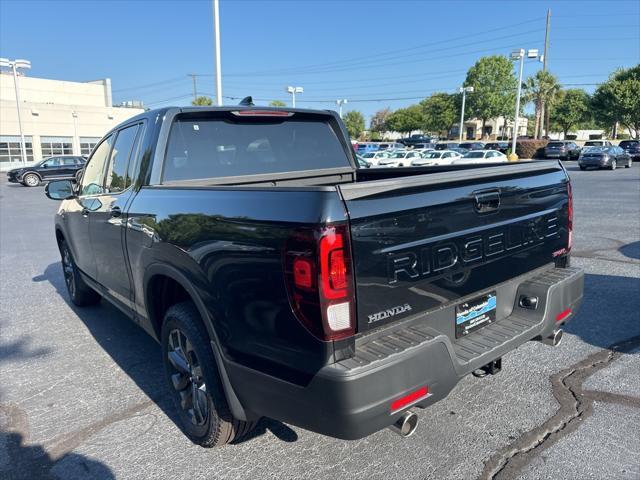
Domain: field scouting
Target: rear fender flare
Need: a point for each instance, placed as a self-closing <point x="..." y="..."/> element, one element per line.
<point x="235" y="406"/>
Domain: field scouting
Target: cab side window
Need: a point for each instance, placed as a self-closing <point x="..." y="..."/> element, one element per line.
<point x="116" y="171"/>
<point x="52" y="162"/>
<point x="93" y="177"/>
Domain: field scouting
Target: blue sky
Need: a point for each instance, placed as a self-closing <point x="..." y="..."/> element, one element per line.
<point x="374" y="53"/>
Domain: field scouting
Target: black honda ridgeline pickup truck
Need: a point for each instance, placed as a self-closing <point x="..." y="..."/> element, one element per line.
<point x="283" y="281"/>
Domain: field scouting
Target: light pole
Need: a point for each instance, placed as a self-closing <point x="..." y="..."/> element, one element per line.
<point x="293" y="91"/>
<point x="464" y="91"/>
<point x="216" y="29"/>
<point x="14" y="65"/>
<point x="520" y="55"/>
<point x="341" y="102"/>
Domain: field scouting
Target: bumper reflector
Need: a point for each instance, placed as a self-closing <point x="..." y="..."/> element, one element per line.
<point x="408" y="399"/>
<point x="562" y="315"/>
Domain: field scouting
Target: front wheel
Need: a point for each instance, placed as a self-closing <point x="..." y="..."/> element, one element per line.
<point x="628" y="165"/>
<point x="80" y="293"/>
<point x="582" y="168"/>
<point x="191" y="372"/>
<point x="31" y="180"/>
<point x="614" y="165"/>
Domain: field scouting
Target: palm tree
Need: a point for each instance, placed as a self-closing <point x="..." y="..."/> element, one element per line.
<point x="541" y="88"/>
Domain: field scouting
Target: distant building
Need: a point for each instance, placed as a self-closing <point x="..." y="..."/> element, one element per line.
<point x="58" y="117"/>
<point x="494" y="128"/>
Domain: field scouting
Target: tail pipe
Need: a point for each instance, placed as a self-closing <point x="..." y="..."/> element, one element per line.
<point x="406" y="424"/>
<point x="554" y="339"/>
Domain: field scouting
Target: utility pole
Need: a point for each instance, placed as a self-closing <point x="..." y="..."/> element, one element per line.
<point x="538" y="134"/>
<point x="195" y="87"/>
<point x="15" y="65"/>
<point x="464" y="91"/>
<point x="216" y="29"/>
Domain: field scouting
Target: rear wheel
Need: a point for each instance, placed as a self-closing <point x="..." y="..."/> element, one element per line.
<point x="191" y="372"/>
<point x="582" y="168"/>
<point x="629" y="162"/>
<point x="31" y="180"/>
<point x="80" y="293"/>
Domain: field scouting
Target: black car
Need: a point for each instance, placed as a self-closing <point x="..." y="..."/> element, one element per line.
<point x="604" y="157"/>
<point x="632" y="147"/>
<point x="499" y="146"/>
<point x="562" y="150"/>
<point x="447" y="145"/>
<point x="472" y="146"/>
<point x="51" y="168"/>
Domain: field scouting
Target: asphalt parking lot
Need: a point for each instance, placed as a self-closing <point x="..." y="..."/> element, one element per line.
<point x="82" y="395"/>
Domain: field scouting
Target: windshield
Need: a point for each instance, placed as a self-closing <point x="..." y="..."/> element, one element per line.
<point x="399" y="155"/>
<point x="369" y="155"/>
<point x="432" y="155"/>
<point x="474" y="155"/>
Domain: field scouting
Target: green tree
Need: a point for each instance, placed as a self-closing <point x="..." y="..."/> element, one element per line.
<point x="277" y="103"/>
<point x="354" y="121"/>
<point x="202" y="101"/>
<point x="406" y="120"/>
<point x="541" y="89"/>
<point x="494" y="85"/>
<point x="571" y="109"/>
<point x="440" y="112"/>
<point x="618" y="100"/>
<point x="379" y="119"/>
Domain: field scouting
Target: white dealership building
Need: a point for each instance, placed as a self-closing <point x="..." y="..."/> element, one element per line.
<point x="58" y="117"/>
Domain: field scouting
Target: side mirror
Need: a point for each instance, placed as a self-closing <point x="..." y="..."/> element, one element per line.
<point x="59" y="190"/>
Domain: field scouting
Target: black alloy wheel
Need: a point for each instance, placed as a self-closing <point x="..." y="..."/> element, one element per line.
<point x="187" y="378"/>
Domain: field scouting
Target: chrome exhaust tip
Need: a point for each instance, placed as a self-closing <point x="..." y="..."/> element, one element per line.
<point x="554" y="339"/>
<point x="406" y="424"/>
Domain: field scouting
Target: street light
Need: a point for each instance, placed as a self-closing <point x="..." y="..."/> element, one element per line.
<point x="340" y="103"/>
<point x="464" y="91"/>
<point x="293" y="91"/>
<point x="520" y="55"/>
<point x="15" y="65"/>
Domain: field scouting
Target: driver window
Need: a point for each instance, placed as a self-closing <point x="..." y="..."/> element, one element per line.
<point x="93" y="177"/>
<point x="52" y="162"/>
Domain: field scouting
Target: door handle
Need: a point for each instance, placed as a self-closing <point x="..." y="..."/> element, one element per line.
<point x="487" y="201"/>
<point x="115" y="211"/>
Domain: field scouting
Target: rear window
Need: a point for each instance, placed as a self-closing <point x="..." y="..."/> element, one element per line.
<point x="555" y="144"/>
<point x="592" y="144"/>
<point x="213" y="147"/>
<point x="474" y="155"/>
<point x="628" y="143"/>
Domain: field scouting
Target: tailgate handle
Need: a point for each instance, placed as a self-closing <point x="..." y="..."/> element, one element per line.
<point x="487" y="201"/>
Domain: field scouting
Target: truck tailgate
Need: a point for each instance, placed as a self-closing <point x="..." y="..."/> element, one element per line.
<point x="425" y="241"/>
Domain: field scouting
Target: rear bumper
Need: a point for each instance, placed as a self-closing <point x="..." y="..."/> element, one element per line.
<point x="351" y="399"/>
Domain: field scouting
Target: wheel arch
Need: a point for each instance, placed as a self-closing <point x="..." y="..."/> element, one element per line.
<point x="173" y="286"/>
<point x="32" y="172"/>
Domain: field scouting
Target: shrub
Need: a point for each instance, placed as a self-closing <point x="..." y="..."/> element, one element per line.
<point x="623" y="136"/>
<point x="531" y="148"/>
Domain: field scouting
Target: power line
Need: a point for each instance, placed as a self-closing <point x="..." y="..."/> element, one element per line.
<point x="161" y="82"/>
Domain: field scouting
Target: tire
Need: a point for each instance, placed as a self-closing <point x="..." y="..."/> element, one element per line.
<point x="191" y="372"/>
<point x="628" y="165"/>
<point x="614" y="165"/>
<point x="31" y="180"/>
<point x="582" y="168"/>
<point x="80" y="293"/>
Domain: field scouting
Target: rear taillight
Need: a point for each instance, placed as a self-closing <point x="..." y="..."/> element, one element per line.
<point x="319" y="276"/>
<point x="570" y="216"/>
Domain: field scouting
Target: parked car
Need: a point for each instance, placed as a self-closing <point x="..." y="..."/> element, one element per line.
<point x="389" y="146"/>
<point x="632" y="147"/>
<point x="50" y="168"/>
<point x="564" y="150"/>
<point x="417" y="138"/>
<point x="446" y="145"/>
<point x="481" y="156"/>
<point x="398" y="159"/>
<point x="472" y="145"/>
<point x="374" y="157"/>
<point x="364" y="147"/>
<point x="598" y="143"/>
<point x="436" y="157"/>
<point x="604" y="157"/>
<point x="331" y="298"/>
<point x="498" y="146"/>
<point x="362" y="163"/>
<point x="424" y="146"/>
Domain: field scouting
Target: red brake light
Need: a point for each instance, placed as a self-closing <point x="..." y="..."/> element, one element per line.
<point x="319" y="276"/>
<point x="562" y="315"/>
<point x="262" y="113"/>
<point x="408" y="399"/>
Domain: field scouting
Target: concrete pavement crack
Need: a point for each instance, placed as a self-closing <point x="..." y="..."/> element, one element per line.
<point x="575" y="406"/>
